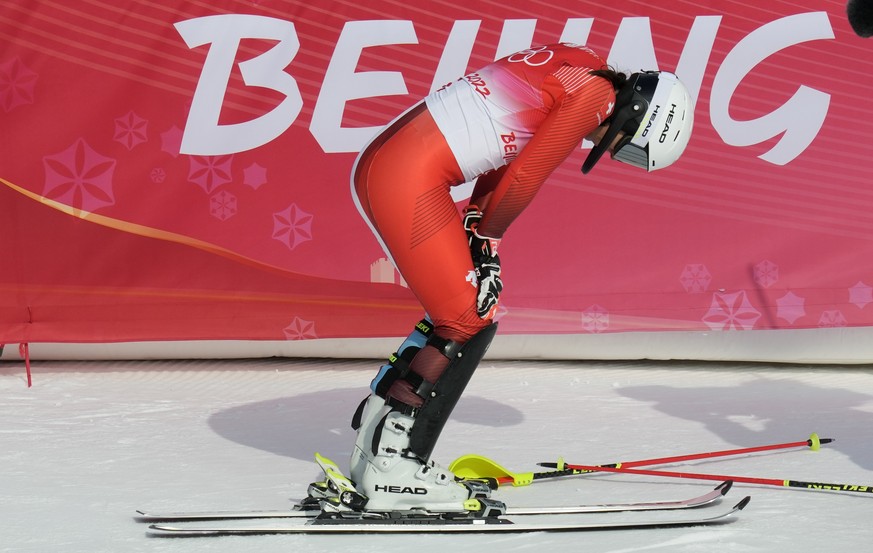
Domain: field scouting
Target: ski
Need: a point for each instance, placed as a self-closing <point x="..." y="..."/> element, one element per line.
<point x="439" y="525"/>
<point x="706" y="499"/>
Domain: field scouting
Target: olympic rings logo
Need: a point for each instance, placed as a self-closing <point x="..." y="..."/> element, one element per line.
<point x="532" y="56"/>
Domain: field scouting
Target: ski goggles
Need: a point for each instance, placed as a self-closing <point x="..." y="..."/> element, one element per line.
<point x="628" y="152"/>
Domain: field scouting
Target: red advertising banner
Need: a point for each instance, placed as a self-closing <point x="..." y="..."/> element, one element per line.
<point x="180" y="170"/>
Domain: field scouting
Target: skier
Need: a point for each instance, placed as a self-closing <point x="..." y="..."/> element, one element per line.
<point x="508" y="126"/>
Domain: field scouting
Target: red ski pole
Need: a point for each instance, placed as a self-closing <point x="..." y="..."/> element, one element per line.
<point x="721" y="477"/>
<point x="814" y="443"/>
<point x="476" y="466"/>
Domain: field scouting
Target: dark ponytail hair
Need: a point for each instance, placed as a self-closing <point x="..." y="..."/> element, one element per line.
<point x="617" y="78"/>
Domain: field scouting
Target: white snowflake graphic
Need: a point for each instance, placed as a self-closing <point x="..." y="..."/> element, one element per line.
<point x="766" y="273"/>
<point x="223" y="205"/>
<point x="731" y="311"/>
<point x="300" y="329"/>
<point x="860" y="295"/>
<point x="832" y="318"/>
<point x="595" y="319"/>
<point x="695" y="278"/>
<point x="292" y="226"/>
<point x="790" y="307"/>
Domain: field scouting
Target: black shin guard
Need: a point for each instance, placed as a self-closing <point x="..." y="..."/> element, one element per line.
<point x="431" y="417"/>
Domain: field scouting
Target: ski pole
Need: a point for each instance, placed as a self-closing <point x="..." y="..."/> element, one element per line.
<point x="814" y="443"/>
<point x="744" y="479"/>
<point x="482" y="468"/>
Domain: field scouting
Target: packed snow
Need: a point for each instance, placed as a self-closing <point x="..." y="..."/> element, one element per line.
<point x="91" y="442"/>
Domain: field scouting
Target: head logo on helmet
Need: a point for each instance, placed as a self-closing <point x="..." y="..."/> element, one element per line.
<point x="656" y="114"/>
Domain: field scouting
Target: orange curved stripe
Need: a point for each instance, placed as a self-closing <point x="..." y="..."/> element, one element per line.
<point x="141" y="230"/>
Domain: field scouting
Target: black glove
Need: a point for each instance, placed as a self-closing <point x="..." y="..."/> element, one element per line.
<point x="483" y="250"/>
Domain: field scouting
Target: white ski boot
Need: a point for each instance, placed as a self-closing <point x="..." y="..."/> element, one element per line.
<point x="390" y="464"/>
<point x="395" y="480"/>
<point x="366" y="421"/>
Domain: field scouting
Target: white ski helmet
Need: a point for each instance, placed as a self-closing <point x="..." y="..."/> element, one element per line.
<point x="656" y="113"/>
